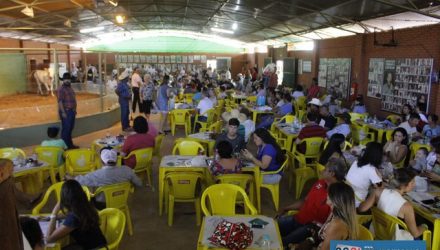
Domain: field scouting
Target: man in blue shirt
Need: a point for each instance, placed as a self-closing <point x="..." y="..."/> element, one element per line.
<point x="285" y="109"/>
<point x="124" y="94"/>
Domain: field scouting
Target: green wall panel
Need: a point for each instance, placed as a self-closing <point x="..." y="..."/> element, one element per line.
<point x="167" y="44"/>
<point x="12" y="73"/>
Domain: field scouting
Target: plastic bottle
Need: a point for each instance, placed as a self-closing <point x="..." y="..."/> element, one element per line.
<point x="265" y="244"/>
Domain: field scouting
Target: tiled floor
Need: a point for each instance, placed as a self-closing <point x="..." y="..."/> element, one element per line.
<point x="151" y="230"/>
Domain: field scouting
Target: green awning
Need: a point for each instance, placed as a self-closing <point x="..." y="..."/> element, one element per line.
<point x="167" y="44"/>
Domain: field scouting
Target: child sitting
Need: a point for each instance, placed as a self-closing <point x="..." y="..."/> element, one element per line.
<point x="54" y="141"/>
<point x="419" y="163"/>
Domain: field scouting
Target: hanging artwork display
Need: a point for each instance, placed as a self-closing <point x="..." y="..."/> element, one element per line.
<point x="334" y="74"/>
<point x="409" y="80"/>
<point x="375" y="77"/>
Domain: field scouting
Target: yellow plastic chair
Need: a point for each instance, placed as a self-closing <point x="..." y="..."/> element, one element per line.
<point x="56" y="190"/>
<point x="313" y="151"/>
<point x="273" y="188"/>
<point x="183" y="187"/>
<point x="252" y="99"/>
<point x="210" y="113"/>
<point x="11" y="153"/>
<point x="157" y="145"/>
<point x="357" y="116"/>
<point x="300" y="115"/>
<point x="51" y="155"/>
<point x="357" y="130"/>
<point x="216" y="127"/>
<point x="112" y="224"/>
<point x="244" y="181"/>
<point x="144" y="157"/>
<point x="188" y="98"/>
<point x="188" y="147"/>
<point x="319" y="169"/>
<point x="389" y="135"/>
<point x="223" y="198"/>
<point x="436" y="237"/>
<point x="395" y="119"/>
<point x="180" y="117"/>
<point x="347" y="145"/>
<point x="385" y="226"/>
<point x="364" y="233"/>
<point x="116" y="196"/>
<point x="301" y="103"/>
<point x="79" y="161"/>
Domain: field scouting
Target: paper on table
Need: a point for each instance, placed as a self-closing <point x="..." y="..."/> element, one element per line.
<point x="419" y="196"/>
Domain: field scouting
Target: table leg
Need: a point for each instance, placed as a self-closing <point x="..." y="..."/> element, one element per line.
<point x="211" y="145"/>
<point x="380" y="135"/>
<point x="254" y="116"/>
<point x="436" y="231"/>
<point x="161" y="187"/>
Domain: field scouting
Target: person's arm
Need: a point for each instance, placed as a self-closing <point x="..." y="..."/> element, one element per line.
<point x="334" y="231"/>
<point x="433" y="176"/>
<point x="264" y="163"/>
<point x="410" y="220"/>
<point x="370" y="201"/>
<point x="399" y="155"/>
<point x="134" y="178"/>
<point x="53" y="233"/>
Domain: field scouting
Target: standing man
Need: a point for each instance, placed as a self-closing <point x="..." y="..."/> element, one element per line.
<point x="10" y="231"/>
<point x="136" y="82"/>
<point x="124" y="97"/>
<point x="67" y="110"/>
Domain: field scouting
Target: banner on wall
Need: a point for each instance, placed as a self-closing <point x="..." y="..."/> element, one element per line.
<point x="334" y="74"/>
<point x="404" y="80"/>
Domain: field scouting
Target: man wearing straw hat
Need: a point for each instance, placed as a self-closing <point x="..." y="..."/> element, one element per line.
<point x="124" y="94"/>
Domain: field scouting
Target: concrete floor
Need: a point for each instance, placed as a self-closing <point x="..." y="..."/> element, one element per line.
<point x="151" y="230"/>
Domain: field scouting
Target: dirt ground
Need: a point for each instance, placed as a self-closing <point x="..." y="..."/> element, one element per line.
<point x="32" y="100"/>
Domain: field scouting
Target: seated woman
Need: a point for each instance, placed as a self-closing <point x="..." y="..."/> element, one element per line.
<point x="359" y="106"/>
<point x="406" y="111"/>
<point x="81" y="222"/>
<point x="137" y="141"/>
<point x="391" y="201"/>
<point x="333" y="149"/>
<point x="363" y="172"/>
<point x="342" y="223"/>
<point x="396" y="149"/>
<point x="225" y="164"/>
<point x="269" y="155"/>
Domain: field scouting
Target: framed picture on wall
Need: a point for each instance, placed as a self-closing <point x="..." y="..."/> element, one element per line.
<point x="203" y="59"/>
<point x="130" y="58"/>
<point x="167" y="59"/>
<point x="190" y="59"/>
<point x="184" y="59"/>
<point x="306" y="66"/>
<point x="173" y="59"/>
<point x="197" y="58"/>
<point x="153" y="59"/>
<point x="159" y="59"/>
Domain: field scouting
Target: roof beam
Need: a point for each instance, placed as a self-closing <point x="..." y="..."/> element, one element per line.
<point x="415" y="10"/>
<point x="215" y="12"/>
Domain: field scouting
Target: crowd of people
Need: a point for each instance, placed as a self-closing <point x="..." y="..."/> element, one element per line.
<point x="328" y="211"/>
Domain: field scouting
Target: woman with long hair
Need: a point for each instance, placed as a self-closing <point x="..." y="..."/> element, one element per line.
<point x="333" y="149"/>
<point x="397" y="148"/>
<point x="364" y="172"/>
<point x="81" y="222"/>
<point x="270" y="157"/>
<point x="342" y="223"/>
<point x="226" y="163"/>
<point x="391" y="201"/>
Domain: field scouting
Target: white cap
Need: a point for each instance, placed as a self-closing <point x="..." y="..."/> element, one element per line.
<point x="109" y="156"/>
<point x="315" y="101"/>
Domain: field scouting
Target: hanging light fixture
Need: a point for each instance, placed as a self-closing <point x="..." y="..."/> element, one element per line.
<point x="68" y="23"/>
<point x="113" y="2"/>
<point x="120" y="19"/>
<point x="28" y="11"/>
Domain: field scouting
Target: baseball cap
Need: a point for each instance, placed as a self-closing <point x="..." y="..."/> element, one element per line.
<point x="109" y="155"/>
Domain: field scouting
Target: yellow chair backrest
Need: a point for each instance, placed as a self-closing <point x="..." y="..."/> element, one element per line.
<point x="116" y="195"/>
<point x="394" y="119"/>
<point x="220" y="103"/>
<point x="364" y="233"/>
<point x="414" y="147"/>
<point x="216" y="127"/>
<point x="179" y="116"/>
<point x="188" y="98"/>
<point x="157" y="144"/>
<point x="143" y="157"/>
<point x="11" y="153"/>
<point x="51" y="155"/>
<point x="288" y="118"/>
<point x="184" y="185"/>
<point x="187" y="147"/>
<point x="79" y="161"/>
<point x="301" y="103"/>
<point x="252" y="98"/>
<point x="346" y="145"/>
<point x="389" y="135"/>
<point x="112" y="223"/>
<point x="436" y="237"/>
<point x="244" y="181"/>
<point x="319" y="169"/>
<point x="356" y="116"/>
<point x="385" y="225"/>
<point x="313" y="146"/>
<point x="55" y="189"/>
<point x="223" y="198"/>
<point x="300" y="115"/>
<point x="210" y="113"/>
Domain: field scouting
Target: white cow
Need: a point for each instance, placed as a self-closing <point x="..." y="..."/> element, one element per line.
<point x="43" y="77"/>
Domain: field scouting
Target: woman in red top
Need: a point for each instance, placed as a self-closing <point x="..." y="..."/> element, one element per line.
<point x="137" y="141"/>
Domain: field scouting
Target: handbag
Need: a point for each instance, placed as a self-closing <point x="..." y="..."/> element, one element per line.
<point x="232" y="235"/>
